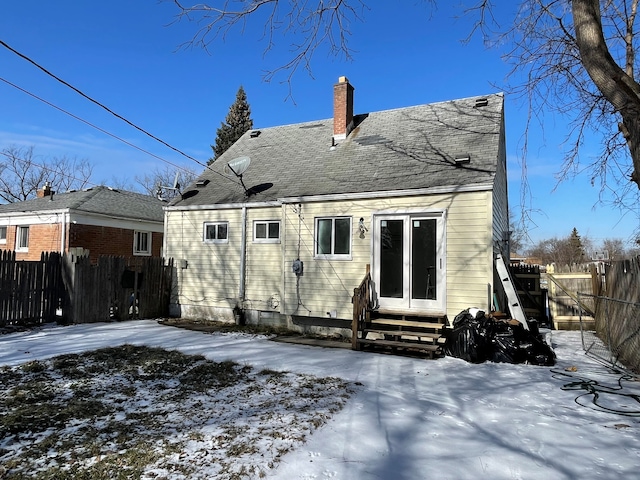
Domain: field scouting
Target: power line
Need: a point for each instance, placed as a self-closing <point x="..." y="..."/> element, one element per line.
<point x="89" y="123"/>
<point x="4" y="44"/>
<point x="100" y="104"/>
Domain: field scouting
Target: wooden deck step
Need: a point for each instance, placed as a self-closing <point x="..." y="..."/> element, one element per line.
<point x="403" y="333"/>
<point x="406" y="323"/>
<point x="395" y="344"/>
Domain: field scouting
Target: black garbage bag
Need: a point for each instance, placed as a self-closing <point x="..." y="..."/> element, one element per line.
<point x="468" y="338"/>
<point x="479" y="338"/>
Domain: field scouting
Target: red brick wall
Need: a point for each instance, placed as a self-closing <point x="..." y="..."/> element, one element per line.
<point x="98" y="240"/>
<point x="42" y="238"/>
<point x="108" y="240"/>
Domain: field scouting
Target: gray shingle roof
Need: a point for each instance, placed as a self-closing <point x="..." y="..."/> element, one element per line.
<point x="99" y="200"/>
<point x="406" y="148"/>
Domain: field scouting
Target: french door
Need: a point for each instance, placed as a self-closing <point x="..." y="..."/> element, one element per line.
<point x="409" y="262"/>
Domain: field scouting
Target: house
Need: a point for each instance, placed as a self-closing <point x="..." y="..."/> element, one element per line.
<point x="284" y="225"/>
<point x="95" y="221"/>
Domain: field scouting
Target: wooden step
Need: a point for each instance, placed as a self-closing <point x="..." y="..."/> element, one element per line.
<point x="392" y="312"/>
<point x="406" y="323"/>
<point x="428" y="348"/>
<point x="392" y="343"/>
<point x="403" y="333"/>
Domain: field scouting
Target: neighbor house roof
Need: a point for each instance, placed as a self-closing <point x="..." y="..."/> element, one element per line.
<point x="401" y="149"/>
<point x="97" y="200"/>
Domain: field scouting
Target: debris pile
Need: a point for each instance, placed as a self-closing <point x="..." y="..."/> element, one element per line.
<point x="477" y="338"/>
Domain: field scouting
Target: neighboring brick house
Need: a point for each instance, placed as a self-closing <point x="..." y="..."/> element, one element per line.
<point x="97" y="221"/>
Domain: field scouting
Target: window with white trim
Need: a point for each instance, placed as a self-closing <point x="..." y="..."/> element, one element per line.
<point x="3" y="234"/>
<point x="22" y="239"/>
<point x="141" y="243"/>
<point x="333" y="238"/>
<point x="216" y="232"/>
<point x="266" y="231"/>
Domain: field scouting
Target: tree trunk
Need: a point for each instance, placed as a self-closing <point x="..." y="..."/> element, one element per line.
<point x="620" y="89"/>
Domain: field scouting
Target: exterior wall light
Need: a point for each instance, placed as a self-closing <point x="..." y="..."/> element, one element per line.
<point x="362" y="228"/>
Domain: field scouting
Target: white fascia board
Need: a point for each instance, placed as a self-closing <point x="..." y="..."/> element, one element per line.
<point x="414" y="192"/>
<point x="475" y="187"/>
<point x="223" y="206"/>
<point x="96" y="219"/>
<point x="41" y="217"/>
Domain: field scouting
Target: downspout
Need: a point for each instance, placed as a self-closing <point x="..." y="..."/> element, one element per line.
<point x="243" y="254"/>
<point x="63" y="235"/>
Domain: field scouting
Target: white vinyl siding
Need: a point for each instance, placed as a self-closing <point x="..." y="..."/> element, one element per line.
<point x="265" y="262"/>
<point x="212" y="277"/>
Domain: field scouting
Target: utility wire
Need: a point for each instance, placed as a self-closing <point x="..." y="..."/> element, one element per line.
<point x="89" y="123"/>
<point x="21" y="55"/>
<point x="100" y="104"/>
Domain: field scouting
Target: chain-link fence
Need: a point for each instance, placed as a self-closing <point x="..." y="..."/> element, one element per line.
<point x="616" y="339"/>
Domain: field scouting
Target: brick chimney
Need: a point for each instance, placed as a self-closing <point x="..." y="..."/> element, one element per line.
<point x="342" y="108"/>
<point x="45" y="191"/>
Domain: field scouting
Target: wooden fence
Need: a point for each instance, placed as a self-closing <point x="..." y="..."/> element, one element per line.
<point x="564" y="283"/>
<point x="72" y="290"/>
<point x="31" y="292"/>
<point x="116" y="288"/>
<point x="617" y="316"/>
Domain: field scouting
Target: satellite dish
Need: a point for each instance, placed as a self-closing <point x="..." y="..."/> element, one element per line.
<point x="237" y="166"/>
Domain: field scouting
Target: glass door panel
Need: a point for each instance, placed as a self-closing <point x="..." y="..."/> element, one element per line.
<point x="392" y="258"/>
<point x="423" y="259"/>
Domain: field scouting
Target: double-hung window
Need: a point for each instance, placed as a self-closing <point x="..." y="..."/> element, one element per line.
<point x="216" y="232"/>
<point x="266" y="231"/>
<point x="3" y="234"/>
<point x="333" y="238"/>
<point x="22" y="239"/>
<point x="141" y="243"/>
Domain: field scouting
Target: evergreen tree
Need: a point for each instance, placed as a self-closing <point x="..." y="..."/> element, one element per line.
<point x="576" y="249"/>
<point x="238" y="121"/>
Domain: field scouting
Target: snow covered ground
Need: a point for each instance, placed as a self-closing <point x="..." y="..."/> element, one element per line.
<point x="418" y="419"/>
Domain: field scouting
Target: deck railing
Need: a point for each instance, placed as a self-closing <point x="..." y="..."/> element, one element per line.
<point x="361" y="308"/>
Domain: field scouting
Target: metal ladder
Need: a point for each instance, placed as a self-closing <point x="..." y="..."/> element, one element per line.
<point x="514" y="302"/>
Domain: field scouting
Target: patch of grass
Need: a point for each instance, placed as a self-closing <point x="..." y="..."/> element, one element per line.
<point x="129" y="411"/>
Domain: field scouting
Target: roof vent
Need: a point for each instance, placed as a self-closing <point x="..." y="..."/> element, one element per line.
<point x="462" y="159"/>
<point x="202" y="183"/>
<point x="482" y="102"/>
<point x="255" y="134"/>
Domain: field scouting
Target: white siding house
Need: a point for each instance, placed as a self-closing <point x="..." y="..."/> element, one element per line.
<point x="418" y="194"/>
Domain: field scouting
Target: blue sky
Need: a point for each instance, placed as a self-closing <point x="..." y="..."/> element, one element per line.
<point x="126" y="55"/>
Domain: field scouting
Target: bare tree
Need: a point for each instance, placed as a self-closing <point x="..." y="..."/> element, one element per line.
<point x="22" y="174"/>
<point x="562" y="251"/>
<point x="159" y="182"/>
<point x="615" y="247"/>
<point x="323" y="24"/>
<point x="577" y="58"/>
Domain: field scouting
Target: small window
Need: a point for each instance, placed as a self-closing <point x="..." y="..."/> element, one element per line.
<point x="333" y="237"/>
<point x="266" y="232"/>
<point x="142" y="243"/>
<point x="216" y="232"/>
<point x="22" y="239"/>
<point x="3" y="234"/>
